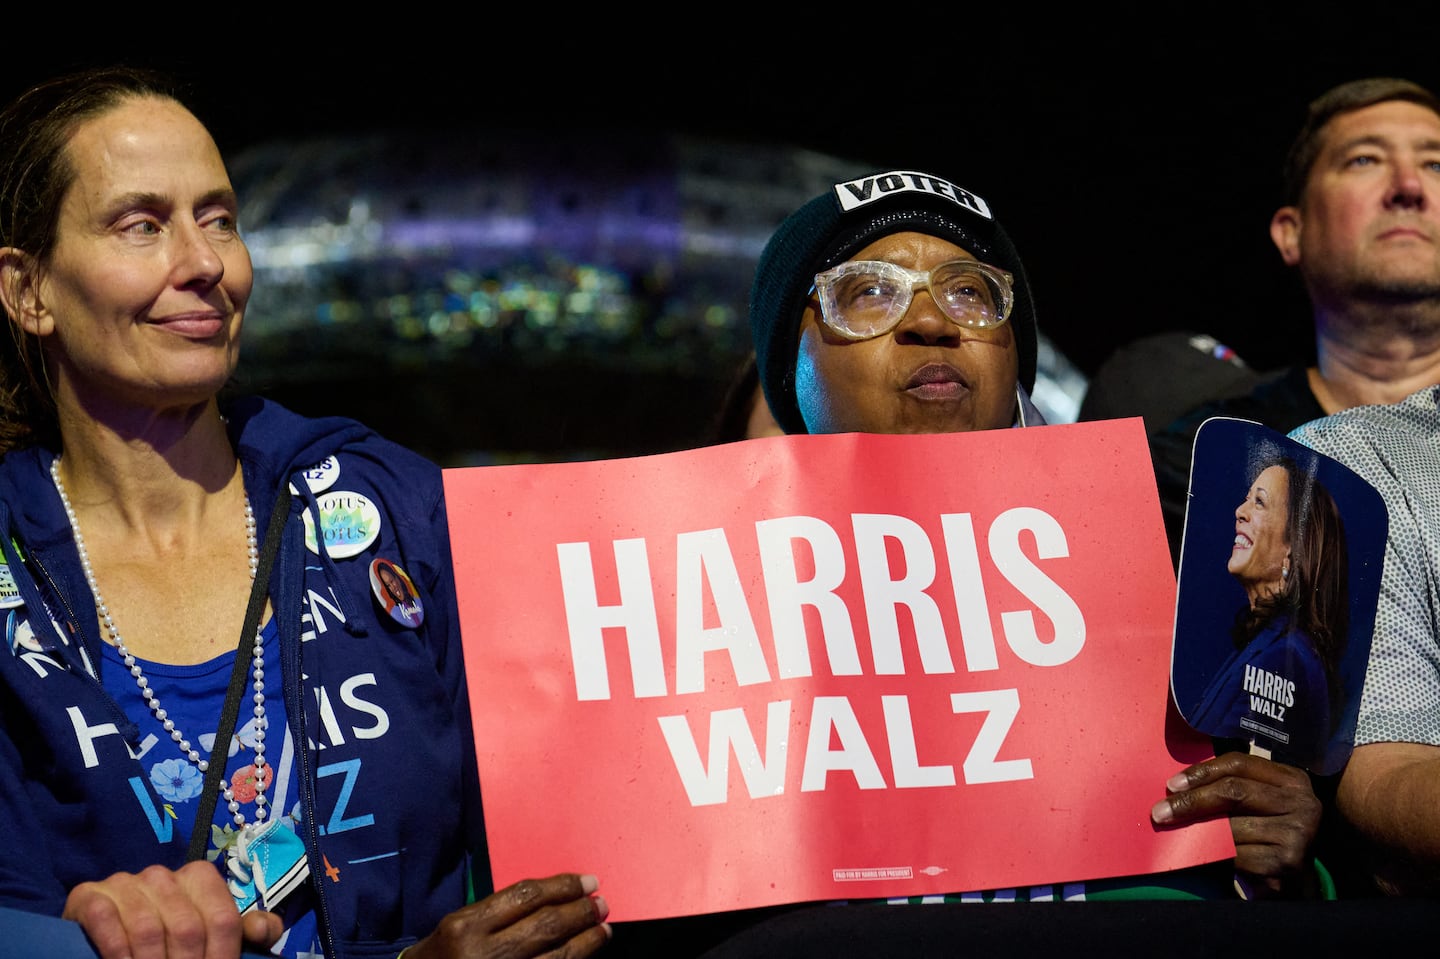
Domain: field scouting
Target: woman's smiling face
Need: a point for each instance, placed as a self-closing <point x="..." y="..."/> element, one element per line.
<point x="143" y="296"/>
<point x="1260" y="554"/>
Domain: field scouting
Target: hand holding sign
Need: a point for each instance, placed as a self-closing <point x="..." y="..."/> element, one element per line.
<point x="1279" y="577"/>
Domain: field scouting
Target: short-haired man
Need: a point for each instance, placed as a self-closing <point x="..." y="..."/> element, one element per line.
<point x="1361" y="224"/>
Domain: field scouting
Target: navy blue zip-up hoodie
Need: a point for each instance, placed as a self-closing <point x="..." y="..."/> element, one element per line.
<point x="388" y="781"/>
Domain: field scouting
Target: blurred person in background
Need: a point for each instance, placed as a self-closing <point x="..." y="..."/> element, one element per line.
<point x="743" y="413"/>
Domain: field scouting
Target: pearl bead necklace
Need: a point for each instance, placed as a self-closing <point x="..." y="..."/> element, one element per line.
<point x="257" y="662"/>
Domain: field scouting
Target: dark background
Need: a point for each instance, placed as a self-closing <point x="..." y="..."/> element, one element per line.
<point x="1132" y="154"/>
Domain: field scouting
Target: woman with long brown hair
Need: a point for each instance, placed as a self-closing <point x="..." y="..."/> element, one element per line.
<point x="1279" y="687"/>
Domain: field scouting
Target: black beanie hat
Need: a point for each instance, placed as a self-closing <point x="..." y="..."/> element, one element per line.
<point x="830" y="228"/>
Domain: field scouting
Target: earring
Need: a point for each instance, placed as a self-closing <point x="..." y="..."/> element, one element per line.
<point x="1284" y="572"/>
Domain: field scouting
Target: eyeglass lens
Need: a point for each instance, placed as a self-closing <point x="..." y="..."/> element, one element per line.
<point x="868" y="302"/>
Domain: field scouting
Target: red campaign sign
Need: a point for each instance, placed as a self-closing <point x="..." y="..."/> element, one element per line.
<point x="824" y="667"/>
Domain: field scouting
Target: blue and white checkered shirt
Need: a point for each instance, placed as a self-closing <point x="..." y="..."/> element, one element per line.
<point x="1396" y="448"/>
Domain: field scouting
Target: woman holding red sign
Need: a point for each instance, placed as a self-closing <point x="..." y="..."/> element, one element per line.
<point x="896" y="303"/>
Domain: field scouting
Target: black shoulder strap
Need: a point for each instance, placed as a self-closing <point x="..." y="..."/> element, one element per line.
<point x="199" y="838"/>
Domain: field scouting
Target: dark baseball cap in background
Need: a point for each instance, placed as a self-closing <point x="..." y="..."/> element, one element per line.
<point x="1164" y="375"/>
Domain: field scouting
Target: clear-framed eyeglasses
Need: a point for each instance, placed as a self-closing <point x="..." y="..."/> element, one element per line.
<point x="862" y="299"/>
